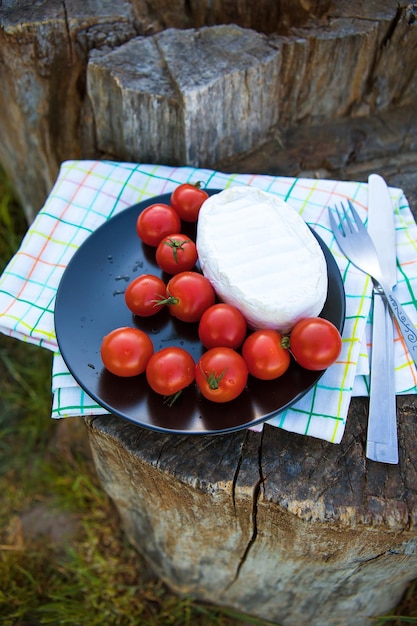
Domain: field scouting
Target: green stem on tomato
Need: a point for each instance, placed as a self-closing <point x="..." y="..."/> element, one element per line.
<point x="175" y="245"/>
<point x="286" y="342"/>
<point x="169" y="400"/>
<point x="212" y="379"/>
<point x="170" y="300"/>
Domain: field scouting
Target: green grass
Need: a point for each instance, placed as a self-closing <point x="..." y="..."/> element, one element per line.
<point x="86" y="574"/>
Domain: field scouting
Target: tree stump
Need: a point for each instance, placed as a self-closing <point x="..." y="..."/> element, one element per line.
<point x="202" y="87"/>
<point x="280" y="526"/>
<point x="284" y="527"/>
<point x="188" y="83"/>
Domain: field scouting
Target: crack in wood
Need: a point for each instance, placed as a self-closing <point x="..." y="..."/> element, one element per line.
<point x="392" y="26"/>
<point x="67" y="30"/>
<point x="407" y="492"/>
<point x="256" y="494"/>
<point x="188" y="9"/>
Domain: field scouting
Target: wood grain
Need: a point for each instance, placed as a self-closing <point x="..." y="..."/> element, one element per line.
<point x="288" y="528"/>
<point x="189" y="84"/>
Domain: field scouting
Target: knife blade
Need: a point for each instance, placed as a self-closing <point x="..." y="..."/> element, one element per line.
<point x="382" y="444"/>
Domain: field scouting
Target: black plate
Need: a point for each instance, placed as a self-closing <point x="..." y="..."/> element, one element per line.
<point x="90" y="303"/>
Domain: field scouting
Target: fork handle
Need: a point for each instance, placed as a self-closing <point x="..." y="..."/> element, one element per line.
<point x="405" y="325"/>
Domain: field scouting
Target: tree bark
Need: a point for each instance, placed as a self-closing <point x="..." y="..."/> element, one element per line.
<point x="309" y="62"/>
<point x="287" y="528"/>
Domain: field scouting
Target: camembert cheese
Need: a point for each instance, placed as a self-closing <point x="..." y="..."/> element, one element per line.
<point x="260" y="256"/>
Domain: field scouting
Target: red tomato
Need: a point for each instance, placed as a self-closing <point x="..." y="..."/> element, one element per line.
<point x="222" y="325"/>
<point x="264" y="355"/>
<point x="176" y="253"/>
<point x="126" y="351"/>
<point x="156" y="222"/>
<point x="188" y="295"/>
<point x="221" y="374"/>
<point x="187" y="199"/>
<point x="170" y="370"/>
<point x="315" y="343"/>
<point x="143" y="293"/>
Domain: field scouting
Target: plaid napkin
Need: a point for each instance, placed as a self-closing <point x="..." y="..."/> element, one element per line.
<point x="87" y="193"/>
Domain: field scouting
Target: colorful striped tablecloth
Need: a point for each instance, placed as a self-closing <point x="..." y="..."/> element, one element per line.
<point x="87" y="193"/>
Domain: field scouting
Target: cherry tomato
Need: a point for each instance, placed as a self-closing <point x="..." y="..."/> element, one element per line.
<point x="176" y="253"/>
<point x="142" y="295"/>
<point x="221" y="374"/>
<point x="187" y="199"/>
<point x="156" y="222"/>
<point x="222" y="325"/>
<point x="264" y="355"/>
<point x="126" y="351"/>
<point x="315" y="343"/>
<point x="188" y="295"/>
<point x="170" y="370"/>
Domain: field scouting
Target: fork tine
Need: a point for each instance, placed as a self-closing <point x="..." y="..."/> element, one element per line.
<point x="358" y="220"/>
<point x="335" y="227"/>
<point x="346" y="221"/>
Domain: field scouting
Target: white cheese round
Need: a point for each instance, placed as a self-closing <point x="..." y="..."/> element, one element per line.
<point x="260" y="256"/>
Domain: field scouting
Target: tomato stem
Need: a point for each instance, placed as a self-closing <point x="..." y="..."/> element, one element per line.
<point x="176" y="245"/>
<point x="286" y="342"/>
<point x="212" y="379"/>
<point x="169" y="400"/>
<point x="170" y="300"/>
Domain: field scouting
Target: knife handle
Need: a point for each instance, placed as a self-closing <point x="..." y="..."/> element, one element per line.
<point x="406" y="326"/>
<point x="382" y="444"/>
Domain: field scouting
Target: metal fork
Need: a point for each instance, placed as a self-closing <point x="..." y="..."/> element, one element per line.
<point x="357" y="246"/>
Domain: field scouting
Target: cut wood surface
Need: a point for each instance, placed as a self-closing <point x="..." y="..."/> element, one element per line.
<point x="213" y="91"/>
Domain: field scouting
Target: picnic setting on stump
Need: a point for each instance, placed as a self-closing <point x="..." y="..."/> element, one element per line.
<point x="294" y="498"/>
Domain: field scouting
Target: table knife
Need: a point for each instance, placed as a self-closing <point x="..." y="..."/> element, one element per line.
<point x="382" y="444"/>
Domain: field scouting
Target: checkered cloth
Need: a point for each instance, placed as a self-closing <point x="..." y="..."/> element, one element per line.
<point x="87" y="193"/>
